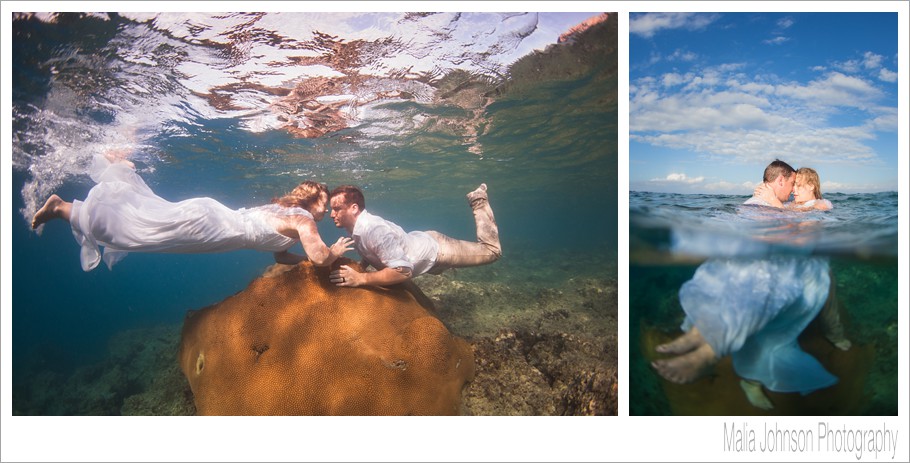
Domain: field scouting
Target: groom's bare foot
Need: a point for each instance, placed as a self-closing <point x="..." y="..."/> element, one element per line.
<point x="50" y="211"/>
<point x="685" y="343"/>
<point x="688" y="367"/>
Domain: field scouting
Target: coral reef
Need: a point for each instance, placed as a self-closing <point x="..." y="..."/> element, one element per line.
<point x="292" y="343"/>
<point x="539" y="351"/>
<point x="138" y="377"/>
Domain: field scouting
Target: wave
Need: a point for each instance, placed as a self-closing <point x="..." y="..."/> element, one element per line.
<point x="860" y="226"/>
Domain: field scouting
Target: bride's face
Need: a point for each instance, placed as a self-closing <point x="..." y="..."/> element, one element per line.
<point x="318" y="208"/>
<point x="803" y="191"/>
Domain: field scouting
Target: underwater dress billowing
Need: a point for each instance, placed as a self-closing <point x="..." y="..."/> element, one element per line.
<point x="754" y="309"/>
<point x="122" y="214"/>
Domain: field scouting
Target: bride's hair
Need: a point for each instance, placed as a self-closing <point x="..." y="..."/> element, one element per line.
<point x="811" y="177"/>
<point x="303" y="196"/>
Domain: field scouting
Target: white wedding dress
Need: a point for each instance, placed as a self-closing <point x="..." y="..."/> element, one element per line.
<point x="754" y="310"/>
<point x="752" y="298"/>
<point x="122" y="214"/>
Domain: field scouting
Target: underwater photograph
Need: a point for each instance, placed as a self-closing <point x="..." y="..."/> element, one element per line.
<point x="181" y="246"/>
<point x="763" y="214"/>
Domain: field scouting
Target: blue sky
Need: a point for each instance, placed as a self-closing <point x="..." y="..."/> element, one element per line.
<point x="713" y="98"/>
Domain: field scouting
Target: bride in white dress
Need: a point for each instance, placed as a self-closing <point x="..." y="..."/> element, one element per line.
<point x="754" y="309"/>
<point x="122" y="214"/>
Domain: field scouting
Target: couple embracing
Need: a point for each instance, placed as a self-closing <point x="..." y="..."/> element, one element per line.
<point x="122" y="214"/>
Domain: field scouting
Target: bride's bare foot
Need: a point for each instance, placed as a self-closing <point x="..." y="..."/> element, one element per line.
<point x="688" y="367"/>
<point x="54" y="208"/>
<point x="685" y="343"/>
<point x="119" y="155"/>
<point x="756" y="394"/>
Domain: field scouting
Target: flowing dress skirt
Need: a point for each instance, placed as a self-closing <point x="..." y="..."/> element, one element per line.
<point x="122" y="214"/>
<point x="754" y="309"/>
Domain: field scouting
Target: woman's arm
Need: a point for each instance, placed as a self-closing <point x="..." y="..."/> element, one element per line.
<point x="315" y="248"/>
<point x="765" y="192"/>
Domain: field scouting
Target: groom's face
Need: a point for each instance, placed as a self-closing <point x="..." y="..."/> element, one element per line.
<point x="784" y="186"/>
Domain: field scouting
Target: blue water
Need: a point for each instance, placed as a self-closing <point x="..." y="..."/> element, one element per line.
<point x="672" y="234"/>
<point x="859" y="226"/>
<point x="197" y="102"/>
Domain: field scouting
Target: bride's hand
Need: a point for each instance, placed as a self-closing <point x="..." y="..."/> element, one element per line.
<point x="343" y="245"/>
<point x="765" y="192"/>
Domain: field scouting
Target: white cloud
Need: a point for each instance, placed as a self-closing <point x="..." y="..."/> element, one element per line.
<point x="871" y="63"/>
<point x="672" y="79"/>
<point x="777" y="40"/>
<point x="722" y="113"/>
<point x="885" y="120"/>
<point x="835" y="89"/>
<point x="678" y="178"/>
<point x="871" y="60"/>
<point x="796" y="145"/>
<point x="754" y="87"/>
<point x="646" y="25"/>
<point x="730" y="187"/>
<point x="785" y="23"/>
<point x="850" y="66"/>
<point x="887" y="76"/>
<point x="680" y="55"/>
<point x="698" y="110"/>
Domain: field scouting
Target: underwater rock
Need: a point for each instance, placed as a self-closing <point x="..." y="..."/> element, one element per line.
<point x="294" y="344"/>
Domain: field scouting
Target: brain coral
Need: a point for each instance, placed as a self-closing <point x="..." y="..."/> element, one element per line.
<point x="294" y="344"/>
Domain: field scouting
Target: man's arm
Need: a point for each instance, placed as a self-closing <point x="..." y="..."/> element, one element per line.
<point x="346" y="276"/>
<point x="390" y="249"/>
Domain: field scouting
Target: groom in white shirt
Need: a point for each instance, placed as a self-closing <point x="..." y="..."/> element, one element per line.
<point x="780" y="176"/>
<point x="399" y="256"/>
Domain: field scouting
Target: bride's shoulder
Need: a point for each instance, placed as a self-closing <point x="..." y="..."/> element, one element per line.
<point x="818" y="204"/>
<point x="280" y="211"/>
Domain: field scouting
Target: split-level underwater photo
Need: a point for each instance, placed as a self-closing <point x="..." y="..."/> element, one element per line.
<point x="763" y="214"/>
<point x="173" y="147"/>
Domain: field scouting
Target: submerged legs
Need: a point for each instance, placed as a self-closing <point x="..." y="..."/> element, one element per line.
<point x="54" y="208"/>
<point x="695" y="359"/>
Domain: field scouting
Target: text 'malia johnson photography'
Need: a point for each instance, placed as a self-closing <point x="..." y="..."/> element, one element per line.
<point x="823" y="438"/>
